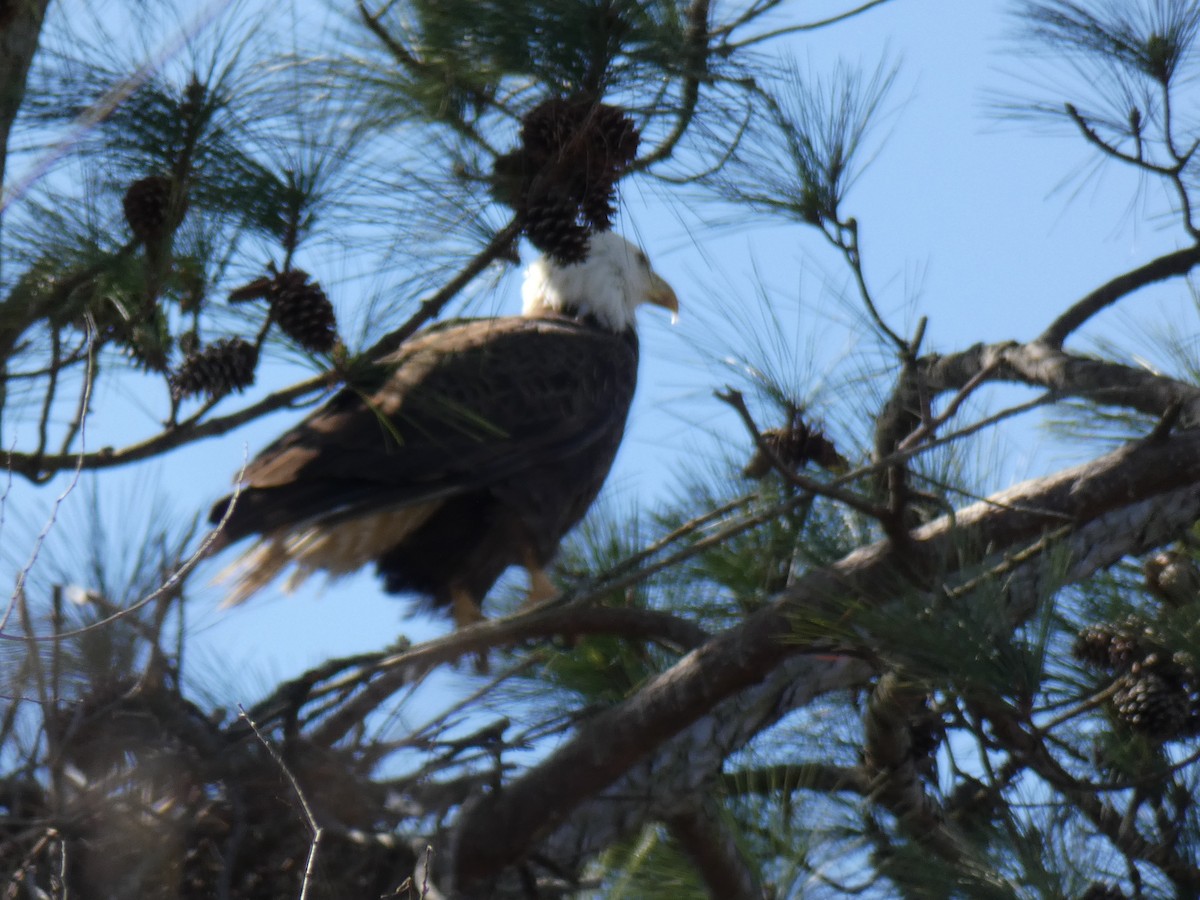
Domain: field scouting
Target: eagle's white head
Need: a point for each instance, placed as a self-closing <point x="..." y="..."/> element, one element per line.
<point x="609" y="285"/>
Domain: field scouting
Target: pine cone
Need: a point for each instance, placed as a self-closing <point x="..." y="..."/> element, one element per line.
<point x="1153" y="702"/>
<point x="578" y="150"/>
<point x="303" y="312"/>
<point x="1172" y="576"/>
<point x="1115" y="645"/>
<point x="224" y="367"/>
<point x="597" y="206"/>
<point x="154" y="208"/>
<point x="550" y="224"/>
<point x="617" y="135"/>
<point x="549" y="127"/>
<point x="796" y="446"/>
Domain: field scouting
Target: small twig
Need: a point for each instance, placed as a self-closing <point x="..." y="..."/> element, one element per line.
<point x="1108" y="149"/>
<point x="167" y="586"/>
<point x="51" y="389"/>
<point x="40" y="540"/>
<point x="561" y="616"/>
<point x="931" y="426"/>
<point x="1162" y="429"/>
<point x="729" y="48"/>
<point x="184" y="433"/>
<point x="1080" y="708"/>
<point x="695" y="71"/>
<point x="401" y="55"/>
<point x="310" y="818"/>
<point x="845" y="238"/>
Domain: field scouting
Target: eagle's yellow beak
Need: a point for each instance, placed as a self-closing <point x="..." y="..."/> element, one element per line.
<point x="662" y="294"/>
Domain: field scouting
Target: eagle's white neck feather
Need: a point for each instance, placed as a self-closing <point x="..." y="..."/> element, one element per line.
<point x="607" y="286"/>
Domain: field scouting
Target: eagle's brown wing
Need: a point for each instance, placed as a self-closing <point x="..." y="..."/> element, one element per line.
<point x="456" y="409"/>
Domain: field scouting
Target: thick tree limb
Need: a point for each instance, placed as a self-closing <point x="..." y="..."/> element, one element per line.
<point x="1039" y="365"/>
<point x="713" y="850"/>
<point x="504" y="826"/>
<point x="661" y="785"/>
<point x="1173" y="264"/>
<point x="18" y="43"/>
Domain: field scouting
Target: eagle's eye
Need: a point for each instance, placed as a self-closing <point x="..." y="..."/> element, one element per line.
<point x="641" y="258"/>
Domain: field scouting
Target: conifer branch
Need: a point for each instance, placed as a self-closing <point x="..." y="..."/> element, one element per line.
<point x="730" y="663"/>
<point x="1171" y="265"/>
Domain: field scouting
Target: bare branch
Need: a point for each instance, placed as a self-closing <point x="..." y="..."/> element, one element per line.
<point x="728" y="48"/>
<point x="310" y="818"/>
<point x="1173" y="264"/>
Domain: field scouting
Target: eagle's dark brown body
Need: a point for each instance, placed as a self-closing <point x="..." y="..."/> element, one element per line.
<point x="478" y="446"/>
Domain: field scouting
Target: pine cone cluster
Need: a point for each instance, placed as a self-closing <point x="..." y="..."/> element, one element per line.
<point x="1156" y="694"/>
<point x="1115" y="645"/>
<point x="795" y="446"/>
<point x="154" y="207"/>
<point x="563" y="178"/>
<point x="224" y="367"/>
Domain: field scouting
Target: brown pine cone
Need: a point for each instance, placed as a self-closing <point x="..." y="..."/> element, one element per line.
<point x="224" y="367"/>
<point x="1154" y="703"/>
<point x="154" y="207"/>
<point x="551" y="226"/>
<point x="302" y="311"/>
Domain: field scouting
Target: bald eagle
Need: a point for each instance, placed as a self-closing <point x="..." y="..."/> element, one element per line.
<point x="478" y="445"/>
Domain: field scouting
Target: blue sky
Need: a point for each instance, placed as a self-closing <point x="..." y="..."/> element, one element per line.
<point x="985" y="226"/>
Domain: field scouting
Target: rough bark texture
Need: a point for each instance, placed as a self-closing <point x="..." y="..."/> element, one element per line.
<point x="1138" y="491"/>
<point x="18" y="43"/>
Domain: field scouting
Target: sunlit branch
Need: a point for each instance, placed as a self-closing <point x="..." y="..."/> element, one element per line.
<point x="1172" y="265"/>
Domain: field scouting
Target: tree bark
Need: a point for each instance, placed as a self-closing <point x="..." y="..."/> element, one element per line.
<point x="1136" y="496"/>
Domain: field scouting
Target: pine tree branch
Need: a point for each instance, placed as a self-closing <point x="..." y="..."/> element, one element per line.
<point x="37" y="469"/>
<point x="1103" y="815"/>
<point x="377" y="679"/>
<point x="714" y="852"/>
<point x="18" y="43"/>
<point x="695" y="72"/>
<point x="659" y="785"/>
<point x="502" y="827"/>
<point x="1173" y="264"/>
<point x="1038" y="364"/>
<point x="728" y="48"/>
<point x="432" y="305"/>
<point x="803" y="482"/>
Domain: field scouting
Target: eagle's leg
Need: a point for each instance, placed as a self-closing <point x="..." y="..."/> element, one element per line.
<point x="541" y="588"/>
<point x="464" y="607"/>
